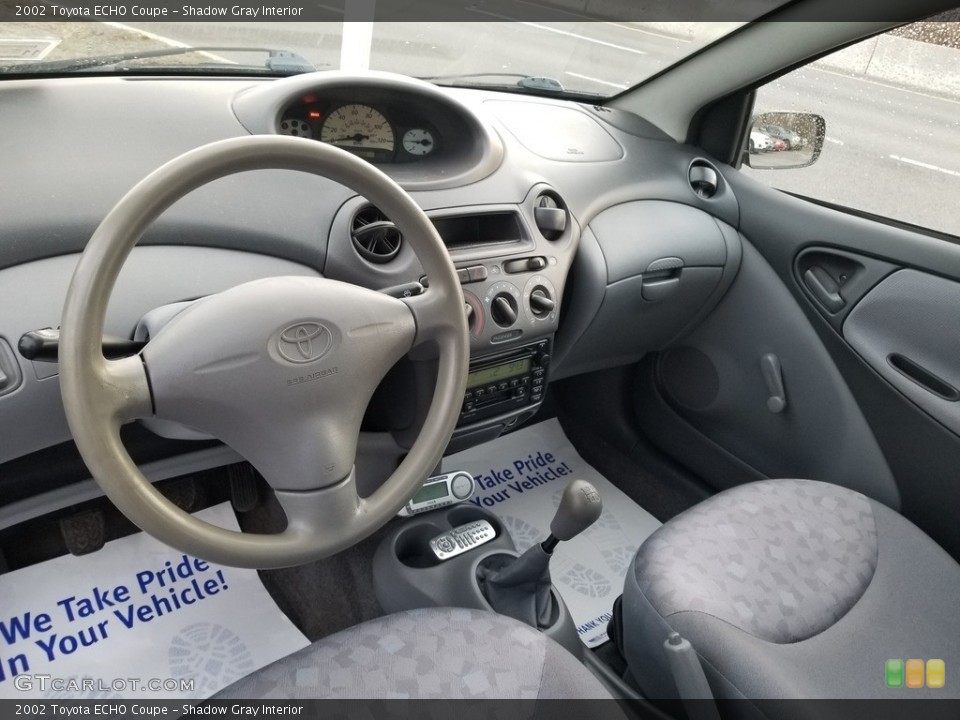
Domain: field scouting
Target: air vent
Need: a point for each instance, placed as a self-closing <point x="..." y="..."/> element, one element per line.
<point x="375" y="238"/>
<point x="550" y="215"/>
<point x="704" y="179"/>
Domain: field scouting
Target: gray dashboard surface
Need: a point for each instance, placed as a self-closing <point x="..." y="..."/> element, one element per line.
<point x="65" y="170"/>
<point x="557" y="133"/>
<point x="647" y="271"/>
<point x="73" y="147"/>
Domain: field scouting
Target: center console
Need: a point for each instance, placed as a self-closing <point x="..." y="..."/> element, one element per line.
<point x="512" y="262"/>
<point x="433" y="560"/>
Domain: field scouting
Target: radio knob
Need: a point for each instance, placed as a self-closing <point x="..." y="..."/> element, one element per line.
<point x="541" y="304"/>
<point x="503" y="309"/>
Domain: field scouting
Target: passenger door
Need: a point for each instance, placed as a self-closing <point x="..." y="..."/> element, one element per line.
<point x="848" y="298"/>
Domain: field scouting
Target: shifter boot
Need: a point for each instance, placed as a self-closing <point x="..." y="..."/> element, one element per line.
<point x="519" y="587"/>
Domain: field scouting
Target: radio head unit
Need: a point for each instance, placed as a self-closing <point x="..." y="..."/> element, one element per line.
<point x="506" y="382"/>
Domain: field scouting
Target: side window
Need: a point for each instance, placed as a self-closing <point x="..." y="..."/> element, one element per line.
<point x="891" y="145"/>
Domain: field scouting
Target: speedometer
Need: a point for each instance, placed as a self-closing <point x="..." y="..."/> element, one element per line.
<point x="359" y="128"/>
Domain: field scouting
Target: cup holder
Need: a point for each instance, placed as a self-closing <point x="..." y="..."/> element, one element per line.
<point x="407" y="573"/>
<point x="412" y="546"/>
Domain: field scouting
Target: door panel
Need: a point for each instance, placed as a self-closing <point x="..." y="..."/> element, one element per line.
<point x="908" y="330"/>
<point x="754" y="381"/>
<point x="836" y="280"/>
<point x="911" y="311"/>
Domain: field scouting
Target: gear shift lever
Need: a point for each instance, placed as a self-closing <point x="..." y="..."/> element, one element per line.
<point x="580" y="506"/>
<point x="521" y="587"/>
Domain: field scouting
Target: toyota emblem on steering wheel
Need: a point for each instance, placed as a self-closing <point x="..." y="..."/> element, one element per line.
<point x="304" y="342"/>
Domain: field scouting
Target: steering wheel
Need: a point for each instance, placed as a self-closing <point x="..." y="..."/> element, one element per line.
<point x="279" y="369"/>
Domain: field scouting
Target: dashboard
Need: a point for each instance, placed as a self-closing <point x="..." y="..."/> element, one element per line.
<point x="578" y="238"/>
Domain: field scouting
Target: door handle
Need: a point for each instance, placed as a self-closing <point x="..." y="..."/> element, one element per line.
<point x="923" y="377"/>
<point x="824" y="288"/>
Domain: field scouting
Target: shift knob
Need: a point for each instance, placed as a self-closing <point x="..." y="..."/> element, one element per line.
<point x="580" y="506"/>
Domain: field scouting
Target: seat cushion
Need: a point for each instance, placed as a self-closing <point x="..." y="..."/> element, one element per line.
<point x="791" y="589"/>
<point x="431" y="653"/>
<point x="780" y="560"/>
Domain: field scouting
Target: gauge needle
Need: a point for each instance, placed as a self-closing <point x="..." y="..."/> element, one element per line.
<point x="352" y="138"/>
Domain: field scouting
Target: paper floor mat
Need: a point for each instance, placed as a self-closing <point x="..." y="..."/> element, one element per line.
<point x="521" y="477"/>
<point x="137" y="609"/>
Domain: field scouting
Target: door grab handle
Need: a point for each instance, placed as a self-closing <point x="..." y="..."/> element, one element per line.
<point x="824" y="288"/>
<point x="773" y="376"/>
<point x="923" y="377"/>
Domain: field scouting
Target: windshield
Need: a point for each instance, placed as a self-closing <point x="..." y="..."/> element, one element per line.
<point x="593" y="58"/>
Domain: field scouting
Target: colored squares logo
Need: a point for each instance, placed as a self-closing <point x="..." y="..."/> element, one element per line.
<point x="894" y="673"/>
<point x="915" y="673"/>
<point x="936" y="673"/>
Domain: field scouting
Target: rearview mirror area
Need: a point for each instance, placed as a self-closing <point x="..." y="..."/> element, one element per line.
<point x="784" y="140"/>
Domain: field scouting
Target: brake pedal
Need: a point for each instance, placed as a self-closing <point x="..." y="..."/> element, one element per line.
<point x="84" y="532"/>
<point x="183" y="492"/>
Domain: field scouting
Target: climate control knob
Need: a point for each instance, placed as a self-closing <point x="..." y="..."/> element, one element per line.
<point x="540" y="300"/>
<point x="503" y="309"/>
<point x="541" y="304"/>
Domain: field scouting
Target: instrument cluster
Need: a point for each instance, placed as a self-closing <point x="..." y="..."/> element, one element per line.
<point x="379" y="133"/>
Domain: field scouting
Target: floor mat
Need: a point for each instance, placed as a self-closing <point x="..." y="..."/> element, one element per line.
<point x="521" y="477"/>
<point x="137" y="609"/>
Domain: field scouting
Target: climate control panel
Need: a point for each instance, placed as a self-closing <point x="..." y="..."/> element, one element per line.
<point x="508" y="301"/>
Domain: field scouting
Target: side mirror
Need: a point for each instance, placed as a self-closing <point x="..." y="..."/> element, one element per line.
<point x="784" y="140"/>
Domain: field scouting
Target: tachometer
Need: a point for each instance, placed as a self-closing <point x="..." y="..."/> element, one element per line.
<point x="360" y="129"/>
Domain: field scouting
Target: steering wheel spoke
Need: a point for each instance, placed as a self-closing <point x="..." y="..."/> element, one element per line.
<point x="334" y="510"/>
<point x="126" y="390"/>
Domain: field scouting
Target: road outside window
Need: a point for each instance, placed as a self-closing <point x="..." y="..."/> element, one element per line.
<point x="892" y="111"/>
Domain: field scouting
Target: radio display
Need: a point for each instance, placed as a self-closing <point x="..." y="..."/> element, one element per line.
<point x="431" y="492"/>
<point x="499" y="372"/>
